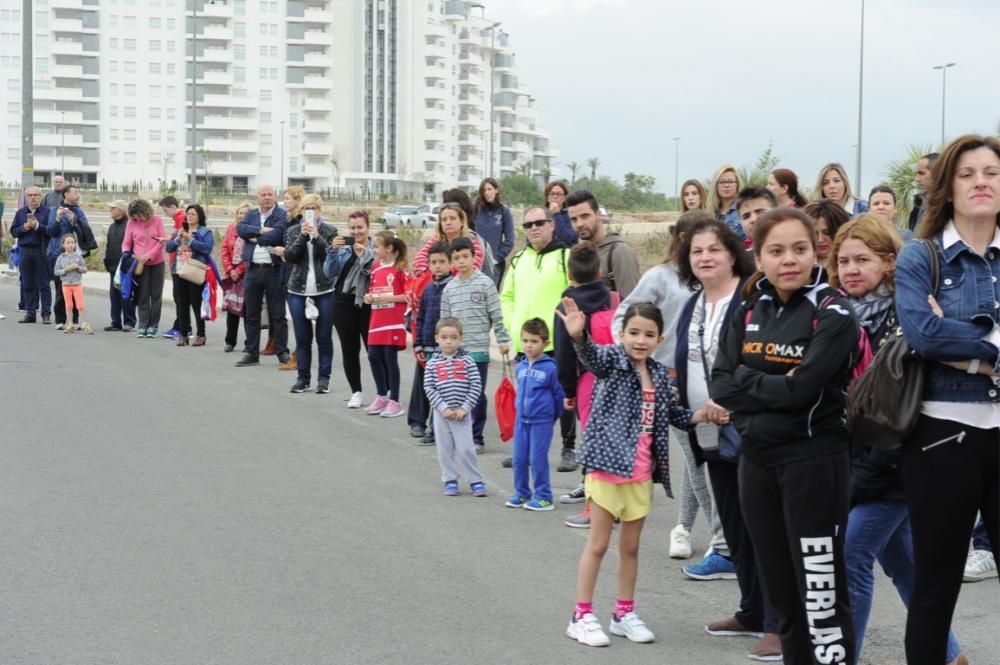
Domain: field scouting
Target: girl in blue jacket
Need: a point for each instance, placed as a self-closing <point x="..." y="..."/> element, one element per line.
<point x="626" y="444"/>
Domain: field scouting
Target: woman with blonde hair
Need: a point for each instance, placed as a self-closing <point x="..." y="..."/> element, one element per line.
<point x="832" y="183"/>
<point x="693" y="195"/>
<point x="452" y="223"/>
<point x="293" y="205"/>
<point x="726" y="186"/>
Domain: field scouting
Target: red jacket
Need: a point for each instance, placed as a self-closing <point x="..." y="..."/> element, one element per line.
<point x="226" y="252"/>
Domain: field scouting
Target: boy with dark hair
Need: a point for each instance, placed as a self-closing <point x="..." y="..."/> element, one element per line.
<point x="751" y="203"/>
<point x="539" y="405"/>
<point x="424" y="344"/>
<point x="472" y="298"/>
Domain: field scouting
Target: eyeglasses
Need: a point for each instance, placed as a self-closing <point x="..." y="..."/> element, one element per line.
<point x="559" y="194"/>
<point x="536" y="224"/>
<point x="727" y="182"/>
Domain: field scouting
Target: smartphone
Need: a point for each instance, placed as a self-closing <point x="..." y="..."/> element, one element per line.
<point x="186" y="227"/>
<point x="348" y="241"/>
<point x="309" y="216"/>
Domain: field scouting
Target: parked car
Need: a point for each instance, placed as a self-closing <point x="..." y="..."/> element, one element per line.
<point x="399" y="215"/>
<point x="427" y="216"/>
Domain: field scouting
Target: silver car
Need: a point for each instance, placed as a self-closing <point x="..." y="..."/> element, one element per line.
<point x="427" y="216"/>
<point x="400" y="215"/>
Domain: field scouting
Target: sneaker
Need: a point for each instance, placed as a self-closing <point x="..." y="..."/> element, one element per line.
<point x="567" y="460"/>
<point x="451" y="488"/>
<point x="540" y="505"/>
<point x="151" y="332"/>
<point x="417" y="431"/>
<point x="507" y="462"/>
<point x="428" y="440"/>
<point x="479" y="489"/>
<point x="680" y="543"/>
<point x="173" y="333"/>
<point x="632" y="627"/>
<point x="247" y="360"/>
<point x="27" y="319"/>
<point x="127" y="329"/>
<point x="579" y="495"/>
<point x="229" y="348"/>
<point x="46" y="319"/>
<point x="112" y="329"/>
<point x="323" y="387"/>
<point x="60" y="326"/>
<point x="767" y="649"/>
<point x="731" y="627"/>
<point x="393" y="409"/>
<point x="355" y="401"/>
<point x="480" y="448"/>
<point x="141" y="332"/>
<point x="377" y="406"/>
<point x="86" y="329"/>
<point x="300" y="386"/>
<point x="713" y="567"/>
<point x="979" y="566"/>
<point x="587" y="631"/>
<point x="516" y="501"/>
<point x="578" y="521"/>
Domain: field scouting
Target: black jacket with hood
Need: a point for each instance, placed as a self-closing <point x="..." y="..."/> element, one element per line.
<point x="784" y="415"/>
<point x="590" y="298"/>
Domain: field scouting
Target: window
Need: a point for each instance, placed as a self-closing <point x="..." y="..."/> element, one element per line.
<point x="293" y="164"/>
<point x="130" y="158"/>
<point x="113" y="66"/>
<point x="129" y="44"/>
<point x="239" y="74"/>
<point x="154" y="44"/>
<point x="265" y="139"/>
<point x="263" y="72"/>
<point x="129" y="67"/>
<point x="171" y="23"/>
<point x="171" y="68"/>
<point x="171" y="136"/>
<point x="155" y="135"/>
<point x="171" y="45"/>
<point x="113" y="111"/>
<point x="113" y="134"/>
<point x="265" y="95"/>
<point x="240" y="7"/>
<point x="114" y="156"/>
<point x="239" y="52"/>
<point x="171" y="91"/>
<point x="274" y="28"/>
<point x="129" y="90"/>
<point x="293" y="120"/>
<point x="273" y="73"/>
<point x="274" y="51"/>
<point x="154" y="113"/>
<point x="129" y="111"/>
<point x="41" y="65"/>
<point x="154" y="68"/>
<point x="265" y="160"/>
<point x="41" y="19"/>
<point x="13" y="107"/>
<point x="113" y="42"/>
<point x="129" y="21"/>
<point x="154" y="23"/>
<point x="154" y="158"/>
<point x="265" y="118"/>
<point x="239" y="30"/>
<point x="129" y="134"/>
<point x="13" y="153"/>
<point x="113" y="89"/>
<point x="170" y="114"/>
<point x="263" y="50"/>
<point x="155" y="90"/>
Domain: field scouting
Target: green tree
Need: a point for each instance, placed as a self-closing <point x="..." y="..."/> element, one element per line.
<point x="520" y="190"/>
<point x="592" y="164"/>
<point x="756" y="176"/>
<point x="900" y="174"/>
<point x="574" y="168"/>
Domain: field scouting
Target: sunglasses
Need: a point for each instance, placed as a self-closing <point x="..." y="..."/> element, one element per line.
<point x="536" y="224"/>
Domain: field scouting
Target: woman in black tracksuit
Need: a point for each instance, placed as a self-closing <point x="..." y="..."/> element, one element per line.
<point x="781" y="369"/>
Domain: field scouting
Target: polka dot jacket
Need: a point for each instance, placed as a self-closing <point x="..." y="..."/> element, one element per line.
<point x="612" y="433"/>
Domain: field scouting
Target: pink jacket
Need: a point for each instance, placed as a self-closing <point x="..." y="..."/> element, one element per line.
<point x="141" y="239"/>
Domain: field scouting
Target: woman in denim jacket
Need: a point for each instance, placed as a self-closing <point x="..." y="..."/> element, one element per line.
<point x="951" y="461"/>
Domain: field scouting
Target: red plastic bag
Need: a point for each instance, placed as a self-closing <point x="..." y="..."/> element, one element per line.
<point x="505" y="404"/>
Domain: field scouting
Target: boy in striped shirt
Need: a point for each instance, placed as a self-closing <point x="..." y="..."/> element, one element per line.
<point x="452" y="384"/>
<point x="472" y="298"/>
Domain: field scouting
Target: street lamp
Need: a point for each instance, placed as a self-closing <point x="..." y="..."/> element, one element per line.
<point x="493" y="35"/>
<point x="282" y="181"/>
<point x="677" y="161"/>
<point x="62" y="133"/>
<point x="944" y="77"/>
<point x="193" y="176"/>
<point x="861" y="91"/>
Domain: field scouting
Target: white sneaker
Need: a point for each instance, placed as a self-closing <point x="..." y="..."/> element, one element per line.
<point x="632" y="627"/>
<point x="355" y="401"/>
<point x="59" y="326"/>
<point x="680" y="543"/>
<point x="587" y="631"/>
<point x="979" y="566"/>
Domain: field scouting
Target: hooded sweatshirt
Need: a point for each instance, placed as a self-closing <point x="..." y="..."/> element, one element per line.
<point x="590" y="298"/>
<point x="533" y="287"/>
<point x="619" y="264"/>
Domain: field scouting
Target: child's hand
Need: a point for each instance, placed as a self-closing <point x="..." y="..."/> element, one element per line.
<point x="421" y="356"/>
<point x="569" y="404"/>
<point x="573" y="319"/>
<point x="447" y="413"/>
<point x="458" y="414"/>
<point x="935" y="307"/>
<point x="716" y="414"/>
<point x="368" y="299"/>
<point x="504" y="349"/>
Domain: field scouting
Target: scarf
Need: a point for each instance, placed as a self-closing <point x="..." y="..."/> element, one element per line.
<point x="871" y="308"/>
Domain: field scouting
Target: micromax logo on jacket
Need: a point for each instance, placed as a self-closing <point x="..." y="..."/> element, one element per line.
<point x="775" y="352"/>
<point x="821" y="600"/>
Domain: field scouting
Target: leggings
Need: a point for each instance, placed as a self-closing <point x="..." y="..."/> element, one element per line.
<point x="73" y="296"/>
<point x="696" y="493"/>
<point x="352" y="330"/>
<point x="385" y="368"/>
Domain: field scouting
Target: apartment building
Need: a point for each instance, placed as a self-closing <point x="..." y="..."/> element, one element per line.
<point x="392" y="96"/>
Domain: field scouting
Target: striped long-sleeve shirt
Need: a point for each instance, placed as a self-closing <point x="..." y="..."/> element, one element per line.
<point x="476" y="303"/>
<point x="452" y="382"/>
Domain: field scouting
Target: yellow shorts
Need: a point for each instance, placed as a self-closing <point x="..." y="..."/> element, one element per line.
<point x="626" y="501"/>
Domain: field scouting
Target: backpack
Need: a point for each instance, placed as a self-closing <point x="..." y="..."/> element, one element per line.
<point x="489" y="261"/>
<point x="861" y="356"/>
<point x="599" y="327"/>
<point x="609" y="273"/>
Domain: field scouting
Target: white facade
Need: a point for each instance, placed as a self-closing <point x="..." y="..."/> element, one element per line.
<point x="386" y="95"/>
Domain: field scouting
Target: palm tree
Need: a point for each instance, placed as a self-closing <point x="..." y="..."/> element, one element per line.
<point x="900" y="174"/>
<point x="573" y="168"/>
<point x="524" y="168"/>
<point x="592" y="164"/>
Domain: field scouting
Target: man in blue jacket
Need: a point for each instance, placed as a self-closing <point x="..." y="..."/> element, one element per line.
<point x="30" y="228"/>
<point x="66" y="218"/>
<point x="263" y="228"/>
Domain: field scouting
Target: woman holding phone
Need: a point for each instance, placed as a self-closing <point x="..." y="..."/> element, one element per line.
<point x="144" y="237"/>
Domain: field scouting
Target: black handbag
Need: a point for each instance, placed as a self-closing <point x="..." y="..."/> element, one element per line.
<point x="883" y="404"/>
<point x="730" y="443"/>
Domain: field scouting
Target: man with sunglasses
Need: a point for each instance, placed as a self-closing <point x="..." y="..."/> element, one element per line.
<point x="534" y="283"/>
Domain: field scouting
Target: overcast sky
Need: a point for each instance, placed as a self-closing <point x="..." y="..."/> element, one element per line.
<point x="617" y="79"/>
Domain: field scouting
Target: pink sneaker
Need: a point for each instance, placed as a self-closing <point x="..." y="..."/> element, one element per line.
<point x="376" y="407"/>
<point x="392" y="409"/>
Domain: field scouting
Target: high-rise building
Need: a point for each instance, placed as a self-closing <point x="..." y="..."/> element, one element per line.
<point x="397" y="96"/>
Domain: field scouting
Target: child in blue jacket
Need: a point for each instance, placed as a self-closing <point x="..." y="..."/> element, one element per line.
<point x="539" y="405"/>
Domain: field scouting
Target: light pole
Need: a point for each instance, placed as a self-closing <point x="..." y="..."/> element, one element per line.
<point x="193" y="185"/>
<point x="62" y="133"/>
<point x="677" y="162"/>
<point x="281" y="184"/>
<point x="493" y="37"/>
<point x="27" y="98"/>
<point x="944" y="78"/>
<point x="861" y="91"/>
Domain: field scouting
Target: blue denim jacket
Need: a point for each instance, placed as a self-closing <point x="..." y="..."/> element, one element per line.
<point x="969" y="295"/>
<point x="731" y="218"/>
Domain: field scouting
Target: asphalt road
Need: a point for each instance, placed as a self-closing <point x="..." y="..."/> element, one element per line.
<point x="159" y="506"/>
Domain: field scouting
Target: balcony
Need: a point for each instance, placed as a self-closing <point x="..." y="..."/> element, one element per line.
<point x="217" y="33"/>
<point x="468" y="140"/>
<point x="318" y="37"/>
<point x="65" y="47"/>
<point x="66" y="71"/>
<point x="59" y="140"/>
<point x="321" y="82"/>
<point x="226" y="122"/>
<point x="66" y="4"/>
<point x="227" y="102"/>
<point x="503" y="63"/>
<point x="61" y="94"/>
<point x="316" y="104"/>
<point x="217" y="10"/>
<point x="216" y="77"/>
<point x="469" y="38"/>
<point x="315" y="15"/>
<point x="438" y="51"/>
<point x="230" y="145"/>
<point x="313" y="127"/>
<point x="227" y="167"/>
<point x="47" y="117"/>
<point x="67" y="25"/>
<point x="214" y="55"/>
<point x="317" y="148"/>
<point x="455" y="10"/>
<point x="318" y="60"/>
<point x="58" y="162"/>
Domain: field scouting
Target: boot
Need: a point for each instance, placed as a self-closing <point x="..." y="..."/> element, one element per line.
<point x="268" y="348"/>
<point x="292" y="363"/>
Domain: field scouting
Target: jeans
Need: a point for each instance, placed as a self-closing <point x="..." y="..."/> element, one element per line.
<point x="384" y="361"/>
<point x="304" y="335"/>
<point x="880" y="530"/>
<point x="34" y="271"/>
<point x="980" y="540"/>
<point x="352" y="330"/>
<point x="479" y="411"/>
<point x="122" y="314"/>
<point x="531" y="455"/>
<point x="261" y="280"/>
